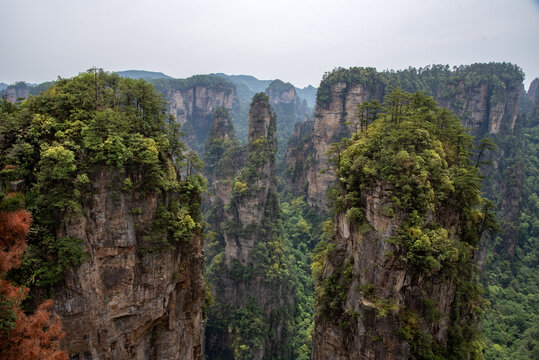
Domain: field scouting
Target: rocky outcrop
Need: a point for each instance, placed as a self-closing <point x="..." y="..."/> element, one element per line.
<point x="332" y="122"/>
<point x="533" y="96"/>
<point x="383" y="299"/>
<point x="223" y="159"/>
<point x="299" y="158"/>
<point x="289" y="110"/>
<point x="16" y="92"/>
<point x="129" y="299"/>
<point x="261" y="205"/>
<point x="533" y="91"/>
<point x="251" y="286"/>
<point x="483" y="108"/>
<point x="192" y="102"/>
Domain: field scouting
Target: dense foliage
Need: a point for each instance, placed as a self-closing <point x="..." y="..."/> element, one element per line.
<point x="302" y="229"/>
<point x="449" y="85"/>
<point x="56" y="142"/>
<point x="511" y="274"/>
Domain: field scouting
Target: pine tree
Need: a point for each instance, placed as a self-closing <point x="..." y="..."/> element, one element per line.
<point x="22" y="336"/>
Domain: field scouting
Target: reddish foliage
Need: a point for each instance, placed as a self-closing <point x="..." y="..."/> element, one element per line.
<point x="14" y="227"/>
<point x="33" y="336"/>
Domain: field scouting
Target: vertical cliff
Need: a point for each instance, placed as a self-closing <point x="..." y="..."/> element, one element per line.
<point x="484" y="96"/>
<point x="193" y="101"/>
<point x="533" y="92"/>
<point x="335" y="118"/>
<point x="117" y="234"/>
<point x="299" y="158"/>
<point x="16" y="91"/>
<point x="289" y="109"/>
<point x="395" y="276"/>
<point x="253" y="296"/>
<point x="138" y="294"/>
<point x="507" y="254"/>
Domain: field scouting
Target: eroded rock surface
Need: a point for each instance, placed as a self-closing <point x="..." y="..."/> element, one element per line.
<point x="127" y="300"/>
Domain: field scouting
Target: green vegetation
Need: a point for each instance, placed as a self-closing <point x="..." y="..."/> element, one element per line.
<point x="212" y="82"/>
<point x="59" y="142"/>
<point x="511" y="273"/>
<point x="420" y="155"/>
<point x="366" y="76"/>
<point x="222" y="152"/>
<point x="446" y="85"/>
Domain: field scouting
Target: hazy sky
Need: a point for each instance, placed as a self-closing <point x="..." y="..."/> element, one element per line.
<point x="294" y="40"/>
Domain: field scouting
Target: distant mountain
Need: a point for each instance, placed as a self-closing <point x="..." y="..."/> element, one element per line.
<point x="142" y="74"/>
<point x="309" y="94"/>
<point x="249" y="85"/>
<point x="3" y="86"/>
<point x="249" y="81"/>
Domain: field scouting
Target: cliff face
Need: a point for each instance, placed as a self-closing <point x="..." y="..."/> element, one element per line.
<point x="289" y="110"/>
<point x="195" y="106"/>
<point x="332" y="121"/>
<point x="486" y="105"/>
<point x="299" y="158"/>
<point x="533" y="93"/>
<point x="384" y="298"/>
<point x="260" y="206"/>
<point x="252" y="292"/>
<point x="223" y="158"/>
<point x="17" y="91"/>
<point x="483" y="108"/>
<point x="193" y="101"/>
<point x="127" y="301"/>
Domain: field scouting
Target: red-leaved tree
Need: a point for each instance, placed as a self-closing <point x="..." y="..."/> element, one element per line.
<point x="22" y="336"/>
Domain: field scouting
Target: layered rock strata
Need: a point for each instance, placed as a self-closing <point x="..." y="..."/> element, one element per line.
<point x="128" y="300"/>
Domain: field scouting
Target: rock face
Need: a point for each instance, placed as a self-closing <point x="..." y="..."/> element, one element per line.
<point x="17" y="91"/>
<point x="253" y="299"/>
<point x="533" y="93"/>
<point x="483" y="108"/>
<point x="289" y="110"/>
<point x="385" y="284"/>
<point x="192" y="102"/>
<point x="251" y="211"/>
<point x="486" y="106"/>
<point x="223" y="158"/>
<point x="332" y="122"/>
<point x="127" y="301"/>
<point x="299" y="158"/>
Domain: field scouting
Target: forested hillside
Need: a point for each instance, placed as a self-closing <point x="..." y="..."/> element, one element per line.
<point x="510" y="271"/>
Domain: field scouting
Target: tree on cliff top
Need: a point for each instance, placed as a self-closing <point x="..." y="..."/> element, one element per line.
<point x="22" y="336"/>
<point x="417" y="156"/>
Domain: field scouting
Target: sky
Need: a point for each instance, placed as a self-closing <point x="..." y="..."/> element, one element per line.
<point x="292" y="40"/>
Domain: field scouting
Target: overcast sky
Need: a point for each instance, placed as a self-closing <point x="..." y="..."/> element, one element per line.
<point x="293" y="40"/>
